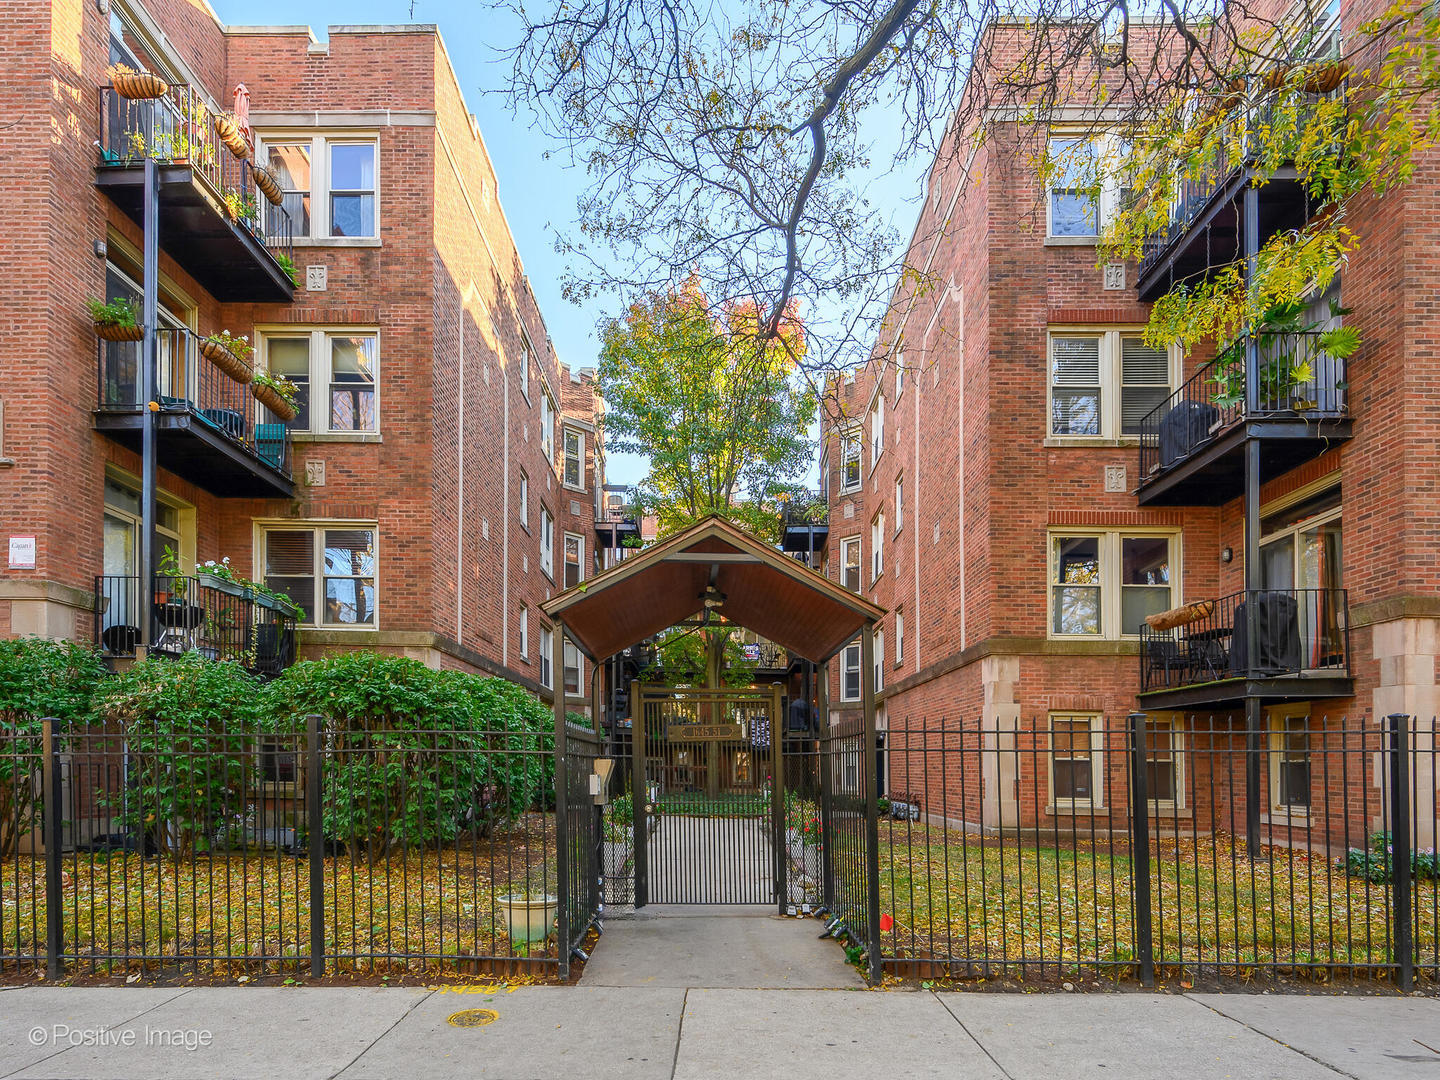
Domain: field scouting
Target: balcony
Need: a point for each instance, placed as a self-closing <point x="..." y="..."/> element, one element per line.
<point x="1192" y="446"/>
<point x="1301" y="651"/>
<point x="1206" y="217"/>
<point x="805" y="525"/>
<point x="213" y="221"/>
<point x="217" y="619"/>
<point x="204" y="420"/>
<point x="765" y="655"/>
<point x="615" y="525"/>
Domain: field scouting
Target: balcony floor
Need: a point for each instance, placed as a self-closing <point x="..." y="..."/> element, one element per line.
<point x="1231" y="693"/>
<point x="224" y="257"/>
<point x="197" y="452"/>
<point x="1214" y="472"/>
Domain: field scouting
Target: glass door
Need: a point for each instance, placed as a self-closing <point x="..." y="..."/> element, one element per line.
<point x="1302" y="556"/>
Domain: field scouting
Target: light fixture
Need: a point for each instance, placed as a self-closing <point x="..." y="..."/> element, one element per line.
<point x="100" y="249"/>
<point x="1227" y="554"/>
<point x="712" y="598"/>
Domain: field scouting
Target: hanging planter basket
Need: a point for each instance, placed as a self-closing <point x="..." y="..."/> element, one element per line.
<point x="136" y="85"/>
<point x="117" y="332"/>
<point x="271" y="399"/>
<point x="1327" y="77"/>
<point x="1277" y="76"/>
<point x="228" y="128"/>
<point x="226" y="361"/>
<point x="268" y="183"/>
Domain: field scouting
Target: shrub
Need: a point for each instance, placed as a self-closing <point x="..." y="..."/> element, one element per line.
<point x="188" y="723"/>
<point x="38" y="678"/>
<point x="1374" y="862"/>
<point x="415" y="756"/>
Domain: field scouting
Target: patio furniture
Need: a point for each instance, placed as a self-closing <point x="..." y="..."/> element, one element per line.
<point x="1164" y="654"/>
<point x="1183" y="428"/>
<point x="1277" y="635"/>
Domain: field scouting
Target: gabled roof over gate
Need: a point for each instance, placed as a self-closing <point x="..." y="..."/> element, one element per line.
<point x="765" y="591"/>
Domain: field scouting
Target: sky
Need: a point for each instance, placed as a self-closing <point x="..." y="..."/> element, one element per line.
<point x="538" y="194"/>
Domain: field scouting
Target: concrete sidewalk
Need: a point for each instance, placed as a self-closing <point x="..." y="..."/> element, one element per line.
<point x="658" y="1033"/>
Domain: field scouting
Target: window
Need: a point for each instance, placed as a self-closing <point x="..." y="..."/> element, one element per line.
<point x="850" y="673"/>
<point x="547" y="542"/>
<point x="1087" y="182"/>
<point x="574" y="560"/>
<point x="877" y="546"/>
<point x="574" y="474"/>
<point x="343" y="364"/>
<point x="899" y="372"/>
<point x="524" y="501"/>
<point x="329" y="184"/>
<point x="547" y="426"/>
<point x="877" y="429"/>
<point x="877" y="673"/>
<point x="899" y="638"/>
<point x="524" y="633"/>
<point x="572" y="668"/>
<point x="849" y="461"/>
<point x="1300" y="548"/>
<point x="1104" y="584"/>
<point x="328" y="570"/>
<point x="526" y="349"/>
<point x="547" y="653"/>
<point x="1074" y="761"/>
<point x="1104" y="383"/>
<point x="850" y="563"/>
<point x="899" y="504"/>
<point x="1290" y="762"/>
<point x="1164" y="778"/>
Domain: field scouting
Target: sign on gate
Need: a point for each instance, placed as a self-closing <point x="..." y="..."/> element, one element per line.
<point x="703" y="732"/>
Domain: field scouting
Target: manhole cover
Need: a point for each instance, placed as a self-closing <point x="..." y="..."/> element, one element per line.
<point x="472" y="1018"/>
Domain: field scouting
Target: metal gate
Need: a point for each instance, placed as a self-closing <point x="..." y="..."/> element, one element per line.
<point x="710" y="828"/>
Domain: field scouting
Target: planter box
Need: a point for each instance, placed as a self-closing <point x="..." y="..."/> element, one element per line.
<point x="220" y="585"/>
<point x="527" y="919"/>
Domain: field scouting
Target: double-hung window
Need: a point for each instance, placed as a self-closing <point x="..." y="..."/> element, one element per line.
<point x="877" y="546"/>
<point x="524" y="508"/>
<point x="574" y="560"/>
<point x="336" y="375"/>
<point x="899" y="504"/>
<point x="877" y="671"/>
<point x="850" y="673"/>
<point x="849" y="461"/>
<point x="1087" y="182"/>
<point x="574" y="473"/>
<point x="1103" y="584"/>
<point x="1290" y="762"/>
<point x="547" y="542"/>
<point x="1103" y="383"/>
<point x="329" y="570"/>
<point x="330" y="184"/>
<point x="850" y="563"/>
<point x="1074" y="760"/>
<point x="1164" y="764"/>
<point x="547" y="654"/>
<point x="572" y="668"/>
<point x="524" y="633"/>
<point x="899" y="638"/>
<point x="547" y="425"/>
<point x="877" y="429"/>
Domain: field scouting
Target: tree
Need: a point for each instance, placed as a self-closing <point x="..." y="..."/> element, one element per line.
<point x="720" y="415"/>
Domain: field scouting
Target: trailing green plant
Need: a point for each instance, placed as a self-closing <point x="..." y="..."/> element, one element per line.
<point x="118" y="312"/>
<point x="242" y="206"/>
<point x="1375" y="862"/>
<point x="279" y="383"/>
<point x="188" y="725"/>
<point x="38" y="679"/>
<point x="225" y="572"/>
<point x="1284" y="365"/>
<point x="239" y="347"/>
<point x="415" y="756"/>
<point x="288" y="265"/>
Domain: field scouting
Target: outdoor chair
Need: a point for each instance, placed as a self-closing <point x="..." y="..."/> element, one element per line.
<point x="1164" y="654"/>
<point x="270" y="444"/>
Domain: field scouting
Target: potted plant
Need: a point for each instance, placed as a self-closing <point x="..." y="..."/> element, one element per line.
<point x="288" y="265"/>
<point x="230" y="354"/>
<point x="267" y="182"/>
<point x="169" y="568"/>
<point x="528" y="916"/>
<point x="219" y="576"/>
<point x="136" y="85"/>
<point x="276" y="393"/>
<point x="1325" y="75"/>
<point x="228" y="128"/>
<point x="115" y="320"/>
<point x="241" y="207"/>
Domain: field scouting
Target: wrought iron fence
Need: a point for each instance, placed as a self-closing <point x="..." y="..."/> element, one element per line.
<point x="1295" y="632"/>
<point x="849" y="846"/>
<point x="310" y="850"/>
<point x="1081" y="845"/>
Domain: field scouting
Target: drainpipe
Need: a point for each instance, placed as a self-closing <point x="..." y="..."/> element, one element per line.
<point x="149" y="370"/>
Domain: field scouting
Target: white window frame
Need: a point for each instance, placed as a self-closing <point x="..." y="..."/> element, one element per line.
<point x="320" y="374"/>
<point x="878" y="672"/>
<point x="1097" y="758"/>
<point x="547" y="657"/>
<point x="877" y="546"/>
<point x="850" y="450"/>
<point x="899" y="372"/>
<point x="899" y="636"/>
<point x="846" y="544"/>
<point x="548" y="416"/>
<point x="850" y="659"/>
<point x="877" y="429"/>
<point x="1177" y="750"/>
<point x="524" y="632"/>
<point x="320" y="142"/>
<point x="524" y="507"/>
<point x="318" y="526"/>
<point x="1111" y="552"/>
<point x="580" y="540"/>
<point x="571" y="649"/>
<point x="527" y="352"/>
<point x="1109" y="147"/>
<point x="579" y="437"/>
<point x="1277" y="718"/>
<point x="1111" y="385"/>
<point x="899" y="504"/>
<point x="547" y="542"/>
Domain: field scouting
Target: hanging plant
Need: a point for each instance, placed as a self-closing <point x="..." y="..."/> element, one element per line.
<point x="230" y="354"/>
<point x="1326" y="76"/>
<point x="136" y="85"/>
<point x="228" y="128"/>
<point x="115" y="320"/>
<point x="267" y="182"/>
<point x="276" y="393"/>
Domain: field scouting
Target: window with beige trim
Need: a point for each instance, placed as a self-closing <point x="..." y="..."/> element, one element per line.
<point x="1086" y="186"/>
<point x="850" y="563"/>
<point x="524" y="633"/>
<point x="850" y="673"/>
<point x="574" y="469"/>
<point x="336" y="373"/>
<point x="877" y="429"/>
<point x="877" y="547"/>
<point x="849" y="461"/>
<point x="1104" y="582"/>
<point x="1075" y="760"/>
<point x="899" y="637"/>
<point x="1103" y="383"/>
<point x="329" y="181"/>
<point x="328" y="569"/>
<point x="1164" y="761"/>
<point x="547" y="543"/>
<point x="547" y="653"/>
<point x="1290" y="761"/>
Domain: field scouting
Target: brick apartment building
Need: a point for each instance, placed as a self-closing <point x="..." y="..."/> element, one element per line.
<point x="1019" y="480"/>
<point x="445" y="470"/>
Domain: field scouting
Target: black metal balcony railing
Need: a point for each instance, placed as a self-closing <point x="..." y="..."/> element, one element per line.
<point x="1297" y="632"/>
<point x="187" y="614"/>
<point x="187" y="382"/>
<point x="1253" y="127"/>
<point x="806" y="513"/>
<point x="179" y="129"/>
<point x="1298" y="380"/>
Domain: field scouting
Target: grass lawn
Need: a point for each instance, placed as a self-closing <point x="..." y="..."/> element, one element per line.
<point x="120" y="907"/>
<point x="953" y="897"/>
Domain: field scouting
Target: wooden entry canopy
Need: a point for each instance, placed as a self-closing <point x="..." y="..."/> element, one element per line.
<point x="764" y="591"/>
